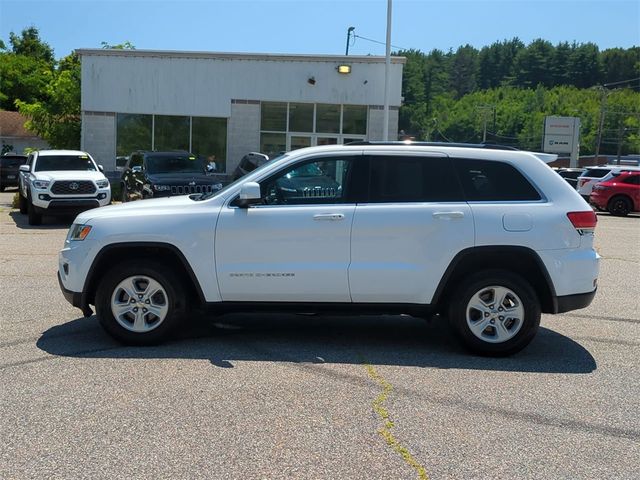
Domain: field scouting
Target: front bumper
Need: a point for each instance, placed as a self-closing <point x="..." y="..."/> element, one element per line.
<point x="44" y="201"/>
<point x="77" y="299"/>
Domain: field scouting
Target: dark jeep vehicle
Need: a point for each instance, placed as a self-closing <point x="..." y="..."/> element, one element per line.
<point x="164" y="174"/>
<point x="9" y="169"/>
<point x="249" y="163"/>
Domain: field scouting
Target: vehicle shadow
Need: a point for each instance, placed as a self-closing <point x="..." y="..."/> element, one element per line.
<point x="48" y="222"/>
<point x="379" y="340"/>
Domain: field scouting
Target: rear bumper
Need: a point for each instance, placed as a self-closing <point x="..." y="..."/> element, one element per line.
<point x="566" y="303"/>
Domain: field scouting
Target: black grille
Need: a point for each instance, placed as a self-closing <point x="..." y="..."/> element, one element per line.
<point x="187" y="189"/>
<point x="73" y="187"/>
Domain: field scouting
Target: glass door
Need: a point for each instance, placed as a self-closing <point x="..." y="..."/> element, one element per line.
<point x="324" y="140"/>
<point x="299" y="141"/>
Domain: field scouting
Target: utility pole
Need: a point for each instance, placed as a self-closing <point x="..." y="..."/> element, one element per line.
<point x="603" y="104"/>
<point x="621" y="131"/>
<point x="351" y="29"/>
<point x="485" y="109"/>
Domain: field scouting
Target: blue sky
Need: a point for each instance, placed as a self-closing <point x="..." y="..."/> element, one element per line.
<point x="320" y="26"/>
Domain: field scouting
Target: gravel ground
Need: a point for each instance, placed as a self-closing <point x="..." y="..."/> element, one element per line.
<point x="287" y="396"/>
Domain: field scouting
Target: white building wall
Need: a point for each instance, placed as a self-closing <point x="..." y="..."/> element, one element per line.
<point x="243" y="131"/>
<point x="98" y="138"/>
<point x="183" y="83"/>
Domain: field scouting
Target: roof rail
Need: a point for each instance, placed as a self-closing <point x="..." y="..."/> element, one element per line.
<point x="489" y="146"/>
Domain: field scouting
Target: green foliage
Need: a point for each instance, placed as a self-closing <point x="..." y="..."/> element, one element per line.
<point x="509" y="88"/>
<point x="57" y="120"/>
<point x="28" y="43"/>
<point x="120" y="46"/>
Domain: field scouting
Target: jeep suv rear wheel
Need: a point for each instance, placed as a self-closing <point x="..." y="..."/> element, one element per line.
<point x="138" y="304"/>
<point x="495" y="313"/>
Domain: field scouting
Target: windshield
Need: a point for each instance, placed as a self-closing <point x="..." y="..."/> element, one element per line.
<point x="238" y="181"/>
<point x="175" y="164"/>
<point x="55" y="163"/>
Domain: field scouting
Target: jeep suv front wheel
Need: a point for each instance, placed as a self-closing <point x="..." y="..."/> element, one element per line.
<point x="138" y="304"/>
<point x="495" y="313"/>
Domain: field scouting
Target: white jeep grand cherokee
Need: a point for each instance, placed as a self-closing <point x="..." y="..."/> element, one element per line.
<point x="56" y="182"/>
<point x="490" y="238"/>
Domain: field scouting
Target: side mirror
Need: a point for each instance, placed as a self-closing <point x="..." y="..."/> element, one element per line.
<point x="136" y="169"/>
<point x="249" y="195"/>
<point x="24" y="168"/>
<point x="101" y="168"/>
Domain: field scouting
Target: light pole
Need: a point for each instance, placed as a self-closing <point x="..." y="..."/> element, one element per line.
<point x="387" y="67"/>
<point x="351" y="29"/>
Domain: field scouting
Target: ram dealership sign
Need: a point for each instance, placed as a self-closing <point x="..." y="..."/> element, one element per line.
<point x="561" y="134"/>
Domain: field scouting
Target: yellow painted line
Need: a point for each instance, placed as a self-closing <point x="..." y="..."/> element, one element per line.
<point x="387" y="423"/>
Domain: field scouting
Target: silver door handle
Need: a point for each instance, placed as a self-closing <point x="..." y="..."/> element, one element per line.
<point x="329" y="216"/>
<point x="448" y="214"/>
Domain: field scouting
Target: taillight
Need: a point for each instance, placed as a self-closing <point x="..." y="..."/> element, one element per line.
<point x="584" y="222"/>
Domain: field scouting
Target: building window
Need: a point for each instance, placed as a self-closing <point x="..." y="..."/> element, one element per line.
<point x="328" y="118"/>
<point x="209" y="140"/>
<point x="273" y="116"/>
<point x="203" y="136"/>
<point x="354" y="119"/>
<point x="301" y="117"/>
<point x="133" y="132"/>
<point x="170" y="133"/>
<point x="289" y="126"/>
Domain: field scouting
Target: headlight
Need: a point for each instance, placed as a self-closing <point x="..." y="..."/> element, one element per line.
<point x="78" y="232"/>
<point x="41" y="184"/>
<point x="161" y="188"/>
<point x="102" y="183"/>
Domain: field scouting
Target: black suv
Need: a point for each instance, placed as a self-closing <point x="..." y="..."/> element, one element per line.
<point x="9" y="169"/>
<point x="164" y="174"/>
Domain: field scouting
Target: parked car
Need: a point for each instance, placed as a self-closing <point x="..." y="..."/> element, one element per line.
<point x="9" y="173"/>
<point x="571" y="175"/>
<point x="497" y="239"/>
<point x="620" y="195"/>
<point x="249" y="163"/>
<point x="601" y="173"/>
<point x="56" y="182"/>
<point x="151" y="174"/>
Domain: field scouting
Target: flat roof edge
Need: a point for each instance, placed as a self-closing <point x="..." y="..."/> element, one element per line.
<point x="274" y="57"/>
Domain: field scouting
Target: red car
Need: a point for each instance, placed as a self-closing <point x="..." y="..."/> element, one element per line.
<point x="619" y="195"/>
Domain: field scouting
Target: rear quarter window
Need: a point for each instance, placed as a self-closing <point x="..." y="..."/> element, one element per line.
<point x="486" y="180"/>
<point x="595" y="172"/>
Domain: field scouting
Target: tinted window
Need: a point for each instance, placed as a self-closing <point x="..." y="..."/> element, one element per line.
<point x="175" y="164"/>
<point x="484" y="180"/>
<point x="413" y="179"/>
<point x="51" y="163"/>
<point x="12" y="160"/>
<point x="633" y="180"/>
<point x="136" y="160"/>
<point x="595" y="172"/>
<point x="317" y="182"/>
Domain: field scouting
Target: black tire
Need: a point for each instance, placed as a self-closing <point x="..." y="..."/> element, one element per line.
<point x="2" y="187"/>
<point x="173" y="297"/>
<point x="35" y="218"/>
<point x="619" y="206"/>
<point x="22" y="203"/>
<point x="124" y="197"/>
<point x="459" y="306"/>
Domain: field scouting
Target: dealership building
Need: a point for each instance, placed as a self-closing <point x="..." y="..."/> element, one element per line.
<point x="224" y="105"/>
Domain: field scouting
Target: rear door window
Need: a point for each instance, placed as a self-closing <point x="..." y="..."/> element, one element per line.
<point x="486" y="180"/>
<point x="596" y="172"/>
<point x="396" y="179"/>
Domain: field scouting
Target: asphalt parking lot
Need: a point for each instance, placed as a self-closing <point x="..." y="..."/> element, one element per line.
<point x="292" y="396"/>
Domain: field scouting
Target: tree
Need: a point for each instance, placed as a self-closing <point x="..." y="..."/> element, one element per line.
<point x="532" y="65"/>
<point x="57" y="120"/>
<point x="28" y="43"/>
<point x="463" y="69"/>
